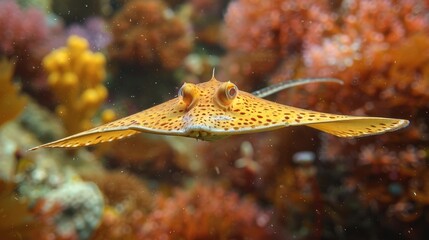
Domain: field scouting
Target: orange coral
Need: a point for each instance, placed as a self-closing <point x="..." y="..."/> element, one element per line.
<point x="382" y="59"/>
<point x="384" y="62"/>
<point x="148" y="33"/>
<point x="279" y="25"/>
<point x="206" y="212"/>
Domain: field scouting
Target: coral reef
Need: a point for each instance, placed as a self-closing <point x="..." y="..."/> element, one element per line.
<point x="74" y="210"/>
<point x="22" y="34"/>
<point x="148" y="33"/>
<point x="390" y="82"/>
<point x="382" y="60"/>
<point x="43" y="191"/>
<point x="75" y="76"/>
<point x="280" y="25"/>
<point x="206" y="212"/>
<point x="290" y="183"/>
<point x="265" y="32"/>
<point x="11" y="103"/>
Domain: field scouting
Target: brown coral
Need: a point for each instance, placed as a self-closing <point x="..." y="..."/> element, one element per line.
<point x="148" y="33"/>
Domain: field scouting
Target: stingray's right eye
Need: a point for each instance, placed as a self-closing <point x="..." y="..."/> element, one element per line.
<point x="188" y="94"/>
<point x="226" y="93"/>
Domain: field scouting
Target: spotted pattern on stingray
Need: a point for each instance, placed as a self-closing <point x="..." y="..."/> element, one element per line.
<point x="213" y="110"/>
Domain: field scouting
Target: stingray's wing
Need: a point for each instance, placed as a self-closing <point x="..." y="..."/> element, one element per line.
<point x="90" y="137"/>
<point x="353" y="126"/>
<point x="256" y="115"/>
<point x="292" y="83"/>
<point x="338" y="125"/>
<point x="342" y="125"/>
<point x="161" y="119"/>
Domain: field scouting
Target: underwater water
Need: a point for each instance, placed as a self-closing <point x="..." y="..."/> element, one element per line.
<point x="69" y="66"/>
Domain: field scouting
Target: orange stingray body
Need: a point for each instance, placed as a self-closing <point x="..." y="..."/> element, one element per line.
<point x="213" y="110"/>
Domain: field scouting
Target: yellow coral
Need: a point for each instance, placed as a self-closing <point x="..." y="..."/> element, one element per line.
<point x="76" y="77"/>
<point x="11" y="103"/>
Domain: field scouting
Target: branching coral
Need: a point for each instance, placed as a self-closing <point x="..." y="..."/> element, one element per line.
<point x="365" y="33"/>
<point x="206" y="212"/>
<point x="279" y="25"/>
<point x="22" y="33"/>
<point x="382" y="59"/>
<point x="264" y="32"/>
<point x="75" y="76"/>
<point x="11" y="103"/>
<point x="148" y="33"/>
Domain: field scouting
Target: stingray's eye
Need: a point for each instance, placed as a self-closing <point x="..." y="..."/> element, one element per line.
<point x="188" y="94"/>
<point x="226" y="93"/>
<point x="231" y="91"/>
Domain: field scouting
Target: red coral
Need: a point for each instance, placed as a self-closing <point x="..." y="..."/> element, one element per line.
<point x="206" y="212"/>
<point x="22" y="33"/>
<point x="148" y="33"/>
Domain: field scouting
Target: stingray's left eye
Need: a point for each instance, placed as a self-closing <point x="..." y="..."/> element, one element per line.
<point x="231" y="91"/>
<point x="188" y="93"/>
<point x="226" y="93"/>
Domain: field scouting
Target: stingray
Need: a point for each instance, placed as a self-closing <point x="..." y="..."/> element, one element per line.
<point x="213" y="110"/>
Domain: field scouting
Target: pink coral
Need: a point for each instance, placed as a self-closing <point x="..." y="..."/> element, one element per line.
<point x="280" y="25"/>
<point x="259" y="34"/>
<point x="22" y="33"/>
